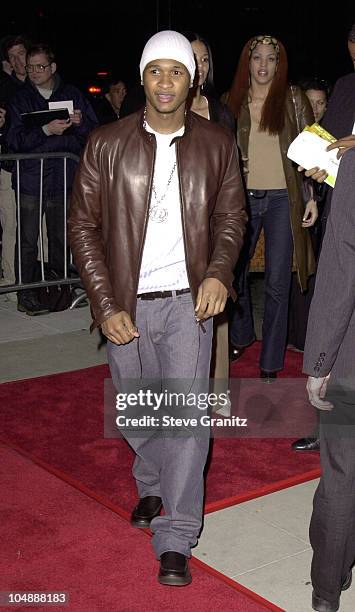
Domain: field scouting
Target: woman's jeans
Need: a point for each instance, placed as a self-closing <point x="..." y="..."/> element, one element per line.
<point x="269" y="210"/>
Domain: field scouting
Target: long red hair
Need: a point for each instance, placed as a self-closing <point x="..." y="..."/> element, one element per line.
<point x="272" y="114"/>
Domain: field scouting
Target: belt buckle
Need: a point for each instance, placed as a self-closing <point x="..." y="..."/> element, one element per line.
<point x="257" y="196"/>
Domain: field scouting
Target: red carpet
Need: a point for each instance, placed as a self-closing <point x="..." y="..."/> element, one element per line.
<point x="58" y="420"/>
<point x="54" y="538"/>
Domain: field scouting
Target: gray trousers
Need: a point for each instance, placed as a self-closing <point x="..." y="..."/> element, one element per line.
<point x="172" y="349"/>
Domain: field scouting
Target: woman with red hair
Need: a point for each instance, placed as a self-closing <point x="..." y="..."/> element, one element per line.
<point x="269" y="115"/>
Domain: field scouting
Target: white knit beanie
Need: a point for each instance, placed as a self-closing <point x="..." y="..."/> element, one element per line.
<point x="169" y="45"/>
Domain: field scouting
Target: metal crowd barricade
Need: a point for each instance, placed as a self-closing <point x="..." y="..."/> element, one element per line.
<point x="43" y="282"/>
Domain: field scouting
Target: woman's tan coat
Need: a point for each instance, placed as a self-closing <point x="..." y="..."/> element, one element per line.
<point x="303" y="252"/>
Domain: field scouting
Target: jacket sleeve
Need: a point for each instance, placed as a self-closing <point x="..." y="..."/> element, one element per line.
<point x="89" y="120"/>
<point x="21" y="139"/>
<point x="85" y="234"/>
<point x="228" y="222"/>
<point x="333" y="302"/>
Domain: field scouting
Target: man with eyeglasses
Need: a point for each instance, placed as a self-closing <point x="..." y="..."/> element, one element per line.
<point x="44" y="85"/>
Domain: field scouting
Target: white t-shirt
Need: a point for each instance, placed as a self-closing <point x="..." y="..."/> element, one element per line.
<point x="163" y="263"/>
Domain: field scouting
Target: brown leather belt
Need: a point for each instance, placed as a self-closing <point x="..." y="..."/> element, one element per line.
<point x="157" y="295"/>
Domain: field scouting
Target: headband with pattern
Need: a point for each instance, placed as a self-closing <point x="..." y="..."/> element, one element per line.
<point x="264" y="39"/>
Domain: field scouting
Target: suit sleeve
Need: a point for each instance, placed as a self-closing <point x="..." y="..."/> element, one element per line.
<point x="333" y="302"/>
<point x="331" y="119"/>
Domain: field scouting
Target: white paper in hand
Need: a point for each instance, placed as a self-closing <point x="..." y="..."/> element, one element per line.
<point x="309" y="150"/>
<point x="63" y="104"/>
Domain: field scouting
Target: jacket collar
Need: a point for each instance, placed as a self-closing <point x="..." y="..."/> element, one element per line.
<point x="148" y="137"/>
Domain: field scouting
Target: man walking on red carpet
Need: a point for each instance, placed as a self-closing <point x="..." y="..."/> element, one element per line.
<point x="156" y="226"/>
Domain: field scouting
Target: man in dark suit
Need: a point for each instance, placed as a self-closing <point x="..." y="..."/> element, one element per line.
<point x="329" y="362"/>
<point x="339" y="120"/>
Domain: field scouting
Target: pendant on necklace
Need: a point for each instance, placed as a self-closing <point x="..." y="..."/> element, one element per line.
<point x="158" y="215"/>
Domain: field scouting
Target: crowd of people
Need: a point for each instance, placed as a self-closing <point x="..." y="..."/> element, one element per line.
<point x="163" y="235"/>
<point x="32" y="86"/>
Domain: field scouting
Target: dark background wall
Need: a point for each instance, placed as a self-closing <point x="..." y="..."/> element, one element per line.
<point x="111" y="36"/>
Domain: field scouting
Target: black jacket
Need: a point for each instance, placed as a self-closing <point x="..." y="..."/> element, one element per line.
<point x="21" y="139"/>
<point x="339" y="119"/>
<point x="9" y="86"/>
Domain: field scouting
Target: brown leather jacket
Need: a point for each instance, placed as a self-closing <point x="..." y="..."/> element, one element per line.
<point x="110" y="202"/>
<point x="303" y="251"/>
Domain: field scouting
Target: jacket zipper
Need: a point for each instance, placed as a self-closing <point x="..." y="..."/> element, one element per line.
<point x="145" y="230"/>
<point x="182" y="214"/>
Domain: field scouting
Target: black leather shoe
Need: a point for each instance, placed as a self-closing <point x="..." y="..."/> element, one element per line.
<point x="147" y="508"/>
<point x="29" y="304"/>
<point x="322" y="605"/>
<point x="268" y="377"/>
<point x="306" y="444"/>
<point x="174" y="569"/>
<point x="235" y="352"/>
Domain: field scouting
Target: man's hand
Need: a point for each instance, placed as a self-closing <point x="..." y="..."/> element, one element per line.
<point x="119" y="328"/>
<point x="58" y="126"/>
<point x="316" y="389"/>
<point x="315" y="173"/>
<point x="211" y="298"/>
<point x="77" y="117"/>
<point x="343" y="144"/>
<point x="310" y="214"/>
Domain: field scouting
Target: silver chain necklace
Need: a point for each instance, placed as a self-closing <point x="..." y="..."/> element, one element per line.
<point x="158" y="201"/>
<point x="158" y="213"/>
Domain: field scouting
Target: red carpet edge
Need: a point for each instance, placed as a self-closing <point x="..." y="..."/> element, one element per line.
<point x="235" y="585"/>
<point x="125" y="515"/>
<point x="272" y="488"/>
